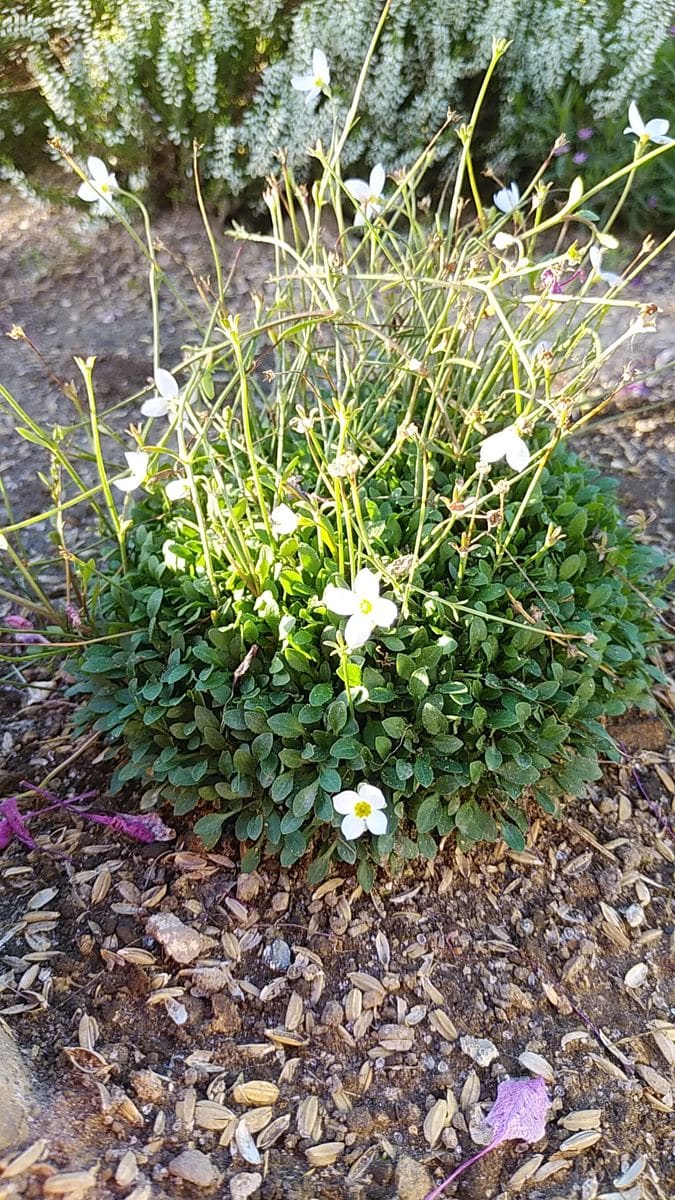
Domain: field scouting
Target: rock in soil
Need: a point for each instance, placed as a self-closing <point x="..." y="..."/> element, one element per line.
<point x="194" y="1167"/>
<point x="181" y="942"/>
<point x="14" y="1094"/>
<point x="413" y="1181"/>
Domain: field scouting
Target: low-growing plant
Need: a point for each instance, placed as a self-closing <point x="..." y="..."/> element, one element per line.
<point x="356" y="592"/>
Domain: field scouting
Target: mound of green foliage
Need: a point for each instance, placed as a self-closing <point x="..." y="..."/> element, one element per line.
<point x="492" y="690"/>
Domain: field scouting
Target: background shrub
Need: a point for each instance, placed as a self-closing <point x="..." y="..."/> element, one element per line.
<point x="142" y="78"/>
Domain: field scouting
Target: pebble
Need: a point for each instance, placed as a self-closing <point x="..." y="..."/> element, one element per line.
<point x="226" y="1018"/>
<point x="333" y="1014"/>
<point x="14" y="1093"/>
<point x="413" y="1181"/>
<point x="194" y="1167"/>
<point x="481" y="1050"/>
<point x="635" y="915"/>
<point x="181" y="942"/>
<point x="148" y="1086"/>
<point x="277" y="955"/>
<point x="244" y="1185"/>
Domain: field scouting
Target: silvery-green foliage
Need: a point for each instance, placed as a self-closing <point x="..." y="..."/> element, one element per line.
<point x="134" y="76"/>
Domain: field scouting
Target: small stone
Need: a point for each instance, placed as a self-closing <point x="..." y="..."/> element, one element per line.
<point x="277" y="955"/>
<point x="14" y="1094"/>
<point x="413" y="1181"/>
<point x="181" y="942"/>
<point x="244" y="1185"/>
<point x="248" y="887"/>
<point x="480" y="1050"/>
<point x="360" y="1121"/>
<point x="148" y="1086"/>
<point x="226" y="1018"/>
<point x="194" y="1167"/>
<point x="333" y="1014"/>
<point x="635" y="915"/>
<point x="207" y="980"/>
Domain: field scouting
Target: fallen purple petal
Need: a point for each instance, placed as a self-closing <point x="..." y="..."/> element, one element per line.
<point x="146" y="828"/>
<point x="14" y="621"/>
<point x="580" y="157"/>
<point x="15" y="824"/>
<point x="585" y="134"/>
<point x="519" y="1112"/>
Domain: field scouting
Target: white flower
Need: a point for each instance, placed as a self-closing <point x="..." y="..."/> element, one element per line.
<point x="177" y="489"/>
<point x="316" y="81"/>
<point x="506" y="199"/>
<point x="363" y="605"/>
<point x="654" y="131"/>
<point x="609" y="277"/>
<point x="284" y="521"/>
<point x="162" y="402"/>
<point x="137" y="462"/>
<point x="502" y="240"/>
<point x="362" y="810"/>
<point x="174" y="561"/>
<point x="100" y="184"/>
<point x="506" y="444"/>
<point x="367" y="196"/>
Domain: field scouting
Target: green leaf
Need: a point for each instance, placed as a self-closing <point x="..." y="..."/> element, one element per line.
<point x="330" y="780"/>
<point x="261" y="746"/>
<point x="154" y="602"/>
<point x="286" y="725"/>
<point x="294" y="846"/>
<point x="428" y="814"/>
<point x="512" y="836"/>
<point x="365" y="873"/>
<point x="336" y="717"/>
<point x="282" y="786"/>
<point x="423" y="770"/>
<point x="321" y="694"/>
<point x="395" y="727"/>
<point x="493" y="758"/>
<point x="433" y="720"/>
<point x="475" y="823"/>
<point x="210" y="828"/>
<point x="345" y="747"/>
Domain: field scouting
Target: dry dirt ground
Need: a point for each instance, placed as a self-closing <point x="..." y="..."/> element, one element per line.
<point x="346" y="1015"/>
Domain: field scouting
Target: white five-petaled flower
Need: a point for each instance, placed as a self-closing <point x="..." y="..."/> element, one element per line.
<point x="164" y="399"/>
<point x="655" y="130"/>
<point x="506" y="444"/>
<point x="361" y="810"/>
<point x="609" y="277"/>
<point x="367" y="196"/>
<point x="284" y="521"/>
<point x="99" y="185"/>
<point x="364" y="606"/>
<point x="177" y="489"/>
<point x="315" y="81"/>
<point x="137" y="462"/>
<point x="508" y="198"/>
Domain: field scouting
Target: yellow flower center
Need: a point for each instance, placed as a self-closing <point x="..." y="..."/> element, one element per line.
<point x="366" y="607"/>
<point x="362" y="809"/>
<point x="319" y="82"/>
